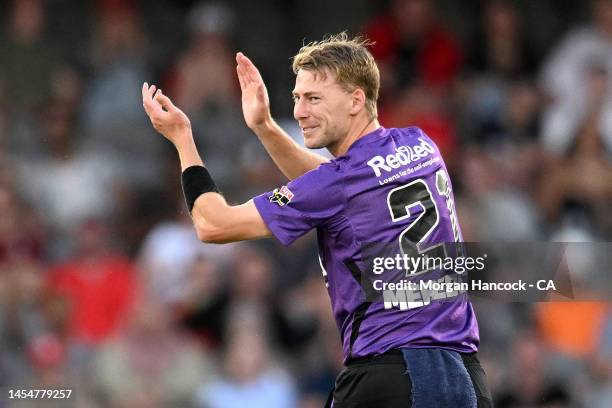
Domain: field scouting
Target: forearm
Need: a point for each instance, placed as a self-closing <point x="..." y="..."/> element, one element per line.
<point x="214" y="220"/>
<point x="292" y="159"/>
<point x="209" y="208"/>
<point x="187" y="150"/>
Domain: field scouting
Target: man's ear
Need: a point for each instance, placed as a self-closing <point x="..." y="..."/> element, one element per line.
<point x="358" y="100"/>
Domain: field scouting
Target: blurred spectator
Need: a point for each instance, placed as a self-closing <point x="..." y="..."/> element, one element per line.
<point x="256" y="297"/>
<point x="501" y="103"/>
<point x="250" y="375"/>
<point x="97" y="285"/>
<point x="150" y="363"/>
<point x="496" y="210"/>
<point x="28" y="68"/>
<point x="577" y="187"/>
<point x="252" y="283"/>
<point x="321" y="357"/>
<point x="168" y="256"/>
<point x="501" y="114"/>
<point x="572" y="328"/>
<point x="500" y="46"/>
<point x="22" y="234"/>
<point x="203" y="305"/>
<point x="27" y="62"/>
<point x="203" y="82"/>
<point x="250" y="297"/>
<point x="500" y="168"/>
<point x="565" y="78"/>
<point x="88" y="178"/>
<point x="528" y="384"/>
<point x="112" y="117"/>
<point x="412" y="45"/>
<point x="204" y="76"/>
<point x="21" y="283"/>
<point x="418" y="106"/>
<point x="118" y="59"/>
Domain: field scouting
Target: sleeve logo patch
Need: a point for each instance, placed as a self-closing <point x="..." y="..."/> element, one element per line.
<point x="281" y="196"/>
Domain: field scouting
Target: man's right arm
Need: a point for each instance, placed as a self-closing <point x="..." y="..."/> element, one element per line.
<point x="292" y="159"/>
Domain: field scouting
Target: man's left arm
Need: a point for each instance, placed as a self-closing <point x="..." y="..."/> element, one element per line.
<point x="214" y="220"/>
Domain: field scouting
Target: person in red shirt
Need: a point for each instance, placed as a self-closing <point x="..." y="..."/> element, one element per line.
<point x="97" y="284"/>
<point x="411" y="41"/>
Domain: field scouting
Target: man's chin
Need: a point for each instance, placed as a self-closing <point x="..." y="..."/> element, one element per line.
<point x="313" y="144"/>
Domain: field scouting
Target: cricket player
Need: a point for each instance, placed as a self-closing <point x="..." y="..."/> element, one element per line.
<point x="385" y="186"/>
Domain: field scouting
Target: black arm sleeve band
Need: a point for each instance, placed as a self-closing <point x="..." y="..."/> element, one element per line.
<point x="196" y="180"/>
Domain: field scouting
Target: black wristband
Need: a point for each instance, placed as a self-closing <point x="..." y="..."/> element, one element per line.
<point x="196" y="180"/>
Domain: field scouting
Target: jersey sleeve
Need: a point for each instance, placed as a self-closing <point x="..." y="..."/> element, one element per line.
<point x="303" y="204"/>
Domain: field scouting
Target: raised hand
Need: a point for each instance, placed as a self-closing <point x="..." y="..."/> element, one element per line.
<point x="166" y="118"/>
<point x="255" y="101"/>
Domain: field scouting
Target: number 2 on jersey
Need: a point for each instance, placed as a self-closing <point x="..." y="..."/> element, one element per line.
<point x="405" y="201"/>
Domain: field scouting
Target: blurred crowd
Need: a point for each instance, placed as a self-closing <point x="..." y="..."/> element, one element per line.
<point x="104" y="287"/>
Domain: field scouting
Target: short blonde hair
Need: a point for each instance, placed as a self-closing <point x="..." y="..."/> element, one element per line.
<point x="348" y="59"/>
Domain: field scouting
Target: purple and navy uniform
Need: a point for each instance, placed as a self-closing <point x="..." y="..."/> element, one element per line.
<point x="350" y="202"/>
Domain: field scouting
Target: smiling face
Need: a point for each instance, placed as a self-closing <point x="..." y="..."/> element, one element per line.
<point x="323" y="108"/>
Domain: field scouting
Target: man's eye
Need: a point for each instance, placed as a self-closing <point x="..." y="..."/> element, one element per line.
<point x="314" y="99"/>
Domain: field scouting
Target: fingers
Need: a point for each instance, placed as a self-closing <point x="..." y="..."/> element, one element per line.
<point x="244" y="63"/>
<point x="241" y="78"/>
<point x="153" y="99"/>
<point x="145" y="97"/>
<point x="164" y="101"/>
<point x="249" y="71"/>
<point x="148" y="93"/>
<point x="240" y="70"/>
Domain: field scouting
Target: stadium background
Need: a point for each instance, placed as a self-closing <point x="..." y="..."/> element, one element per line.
<point x="103" y="285"/>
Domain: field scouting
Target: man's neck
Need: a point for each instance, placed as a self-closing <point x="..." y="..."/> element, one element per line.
<point x="356" y="132"/>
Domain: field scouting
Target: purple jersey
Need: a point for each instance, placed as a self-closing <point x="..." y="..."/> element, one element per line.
<point x="390" y="187"/>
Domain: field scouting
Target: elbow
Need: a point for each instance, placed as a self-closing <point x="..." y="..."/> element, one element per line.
<point x="208" y="233"/>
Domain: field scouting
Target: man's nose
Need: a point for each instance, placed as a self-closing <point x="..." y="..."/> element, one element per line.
<point x="300" y="110"/>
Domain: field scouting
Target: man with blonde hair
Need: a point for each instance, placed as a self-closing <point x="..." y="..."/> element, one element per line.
<point x="384" y="186"/>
